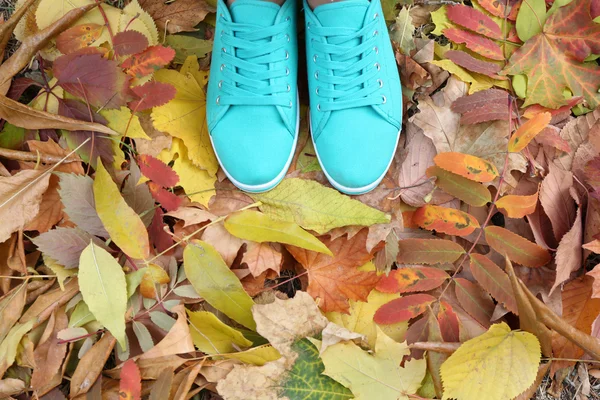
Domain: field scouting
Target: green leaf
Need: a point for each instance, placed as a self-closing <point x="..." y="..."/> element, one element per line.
<point x="258" y="227"/>
<point x="316" y="207"/>
<point x="143" y="336"/>
<point x="81" y="315"/>
<point x="256" y="356"/>
<point x="10" y="344"/>
<point x="214" y="281"/>
<point x="306" y="379"/>
<point x="212" y="336"/>
<point x="104" y="289"/>
<point x="124" y="226"/>
<point x="133" y="280"/>
<point x="12" y="137"/>
<point x="531" y="19"/>
<point x="403" y="30"/>
<point x="185" y="46"/>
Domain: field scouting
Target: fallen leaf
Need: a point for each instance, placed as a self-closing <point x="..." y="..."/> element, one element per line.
<point x="516" y="247"/>
<point x="558" y="204"/>
<point x="77" y="196"/>
<point x="569" y="255"/>
<point x="479" y="44"/>
<point x="446" y="220"/>
<point x="130" y="387"/>
<point x="11" y="307"/>
<point x="261" y="257"/>
<point x="8" y="347"/>
<point x="428" y="251"/>
<point x="177" y="341"/>
<point x="518" y="206"/>
<point x="65" y="245"/>
<point x="151" y="59"/>
<point x="50" y="352"/>
<point x="152" y="94"/>
<point x="493" y="279"/>
<point x="179" y="16"/>
<point x="91" y="364"/>
<point x="420" y="279"/>
<point x="403" y="309"/>
<point x="526" y="132"/>
<point x="473" y="64"/>
<point x="470" y="192"/>
<point x="128" y="42"/>
<point x="474" y="20"/>
<point x="78" y="37"/>
<point x="212" y="336"/>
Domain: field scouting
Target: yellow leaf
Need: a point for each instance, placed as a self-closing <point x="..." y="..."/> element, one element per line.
<point x="124" y="123"/>
<point x="104" y="290"/>
<point x="184" y="117"/>
<point x="48" y="101"/>
<point x="360" y="319"/>
<point x="8" y="347"/>
<point x="135" y="18"/>
<point x="60" y="271"/>
<point x="256" y="356"/>
<point x="498" y="365"/>
<point x="258" y="227"/>
<point x="373" y="377"/>
<point x="124" y="226"/>
<point x="196" y="182"/>
<point x="212" y="336"/>
<point x="118" y="155"/>
<point x="477" y="82"/>
<point x="154" y="275"/>
<point x="216" y="283"/>
<point x="316" y="207"/>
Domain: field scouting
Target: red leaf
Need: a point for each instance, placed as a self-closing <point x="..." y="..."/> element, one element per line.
<point x="130" y="387"/>
<point x="551" y="137"/>
<point x="446" y="220"/>
<point x="517" y="248"/>
<point x="448" y="321"/>
<point x="489" y="112"/>
<point x="157" y="171"/>
<point x="419" y="279"/>
<point x="473" y="64"/>
<point x="78" y="37"/>
<point x="152" y="94"/>
<point x="93" y="78"/>
<point x="160" y="239"/>
<point x="564" y="110"/>
<point x="501" y="8"/>
<point x="129" y="42"/>
<point x="166" y="199"/>
<point x="476" y="43"/>
<point x="403" y="309"/>
<point x="479" y="99"/>
<point x="474" y="300"/>
<point x="148" y="61"/>
<point x="592" y="173"/>
<point x="474" y="20"/>
<point x="493" y="279"/>
<point x="428" y="251"/>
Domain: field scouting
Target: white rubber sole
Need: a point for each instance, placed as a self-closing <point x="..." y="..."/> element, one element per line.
<point x="345" y="189"/>
<point x="264" y="187"/>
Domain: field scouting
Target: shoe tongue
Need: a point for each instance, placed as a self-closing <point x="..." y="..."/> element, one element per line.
<point x="254" y="12"/>
<point x="345" y="13"/>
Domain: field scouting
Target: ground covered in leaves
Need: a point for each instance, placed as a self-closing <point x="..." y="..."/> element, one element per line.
<point x="131" y="268"/>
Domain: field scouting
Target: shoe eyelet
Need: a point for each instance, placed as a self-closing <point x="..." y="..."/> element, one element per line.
<point x="220" y="84"/>
<point x="289" y="88"/>
<point x="380" y="83"/>
<point x="218" y="100"/>
<point x="287" y="55"/>
<point x="308" y="25"/>
<point x="222" y="67"/>
<point x="317" y="75"/>
<point x="375" y="33"/>
<point x="224" y="50"/>
<point x="375" y="15"/>
<point x="287" y="71"/>
<point x="376" y="65"/>
<point x="222" y="33"/>
<point x="317" y="91"/>
<point x="287" y="37"/>
<point x="383" y="100"/>
<point x="291" y="104"/>
<point x="287" y="19"/>
<point x="376" y="50"/>
<point x="318" y="107"/>
<point x="315" y="58"/>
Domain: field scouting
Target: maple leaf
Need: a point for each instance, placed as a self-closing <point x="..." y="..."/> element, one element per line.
<point x="150" y="60"/>
<point x="553" y="60"/>
<point x="335" y="280"/>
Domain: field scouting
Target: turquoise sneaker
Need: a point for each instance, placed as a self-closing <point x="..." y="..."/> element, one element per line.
<point x="252" y="101"/>
<point x="355" y="93"/>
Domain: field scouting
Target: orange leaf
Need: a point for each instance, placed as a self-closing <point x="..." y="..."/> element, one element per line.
<point x="403" y="309"/>
<point x="428" y="251"/>
<point x="477" y="303"/>
<point x="518" y="206"/>
<point x="526" y="132"/>
<point x="472" y="193"/>
<point x="419" y="279"/>
<point x="517" y="248"/>
<point x="154" y="275"/>
<point x="148" y="61"/>
<point x="78" y="37"/>
<point x="335" y="280"/>
<point x="471" y="167"/>
<point x="446" y="220"/>
<point x="493" y="279"/>
<point x="130" y="387"/>
<point x="448" y="321"/>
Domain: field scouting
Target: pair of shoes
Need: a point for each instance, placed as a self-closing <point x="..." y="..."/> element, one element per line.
<point x="355" y="94"/>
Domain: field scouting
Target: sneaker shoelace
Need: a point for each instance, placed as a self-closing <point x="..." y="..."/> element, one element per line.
<point x="350" y="70"/>
<point x="249" y="77"/>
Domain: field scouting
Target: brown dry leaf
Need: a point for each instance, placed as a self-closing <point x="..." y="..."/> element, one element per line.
<point x="569" y="252"/>
<point x="91" y="364"/>
<point x="183" y="381"/>
<point x="191" y="215"/>
<point x="45" y="304"/>
<point x="49" y="353"/>
<point x="150" y="368"/>
<point x="10" y="386"/>
<point x="20" y="198"/>
<point x="224" y="242"/>
<point x="577" y="134"/>
<point x="159" y="141"/>
<point x="261" y="257"/>
<point x="558" y="204"/>
<point x="177" y="16"/>
<point x="335" y="280"/>
<point x="177" y="341"/>
<point x="11" y="307"/>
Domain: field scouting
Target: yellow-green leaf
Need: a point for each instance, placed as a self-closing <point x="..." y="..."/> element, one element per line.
<point x="212" y="336"/>
<point x="257" y="356"/>
<point x="10" y="344"/>
<point x="498" y="365"/>
<point x="125" y="123"/>
<point x="213" y="280"/>
<point x="123" y="225"/>
<point x="316" y="207"/>
<point x="104" y="290"/>
<point x="258" y="227"/>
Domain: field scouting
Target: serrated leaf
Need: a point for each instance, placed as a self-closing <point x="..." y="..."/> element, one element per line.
<point x="162" y="320"/>
<point x="472" y="193"/>
<point x="125" y="227"/>
<point x="77" y="195"/>
<point x="316" y="207"/>
<point x="403" y="309"/>
<point x="143" y="336"/>
<point x="428" y="251"/>
<point x="529" y="130"/>
<point x="474" y="20"/>
<point x="418" y="279"/>
<point x="516" y="247"/>
<point x="214" y="281"/>
<point x="102" y="284"/>
<point x="493" y="279"/>
<point x="481" y="367"/>
<point x="152" y="94"/>
<point x="186" y="46"/>
<point x="78" y="37"/>
<point x="151" y="59"/>
<point x="518" y="206"/>
<point x="477" y="303"/>
<point x="445" y="220"/>
<point x="479" y="44"/>
<point x="258" y="227"/>
<point x="468" y="166"/>
<point x="212" y="336"/>
<point x="130" y="385"/>
<point x="129" y="42"/>
<point x="64" y="245"/>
